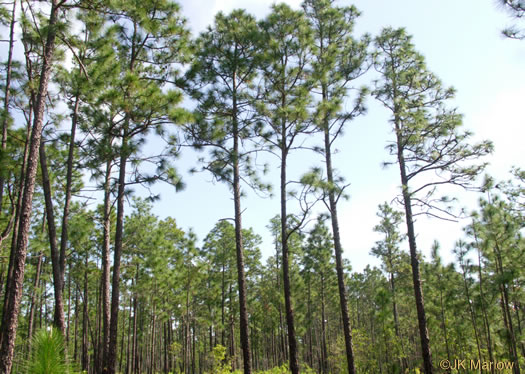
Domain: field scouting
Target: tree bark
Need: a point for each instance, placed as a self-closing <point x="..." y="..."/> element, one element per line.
<point x="5" y="119"/>
<point x="30" y="319"/>
<point x="243" y="317"/>
<point x="106" y="318"/>
<point x="115" y="289"/>
<point x="67" y="197"/>
<point x="10" y="324"/>
<point x="414" y="262"/>
<point x="338" y="252"/>
<point x="292" y="342"/>
<point x="58" y="274"/>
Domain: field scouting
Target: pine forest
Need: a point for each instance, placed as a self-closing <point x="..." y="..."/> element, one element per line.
<point x="107" y="102"/>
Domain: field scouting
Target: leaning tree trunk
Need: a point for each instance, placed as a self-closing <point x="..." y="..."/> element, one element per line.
<point x="244" y="327"/>
<point x="338" y="250"/>
<point x="11" y="312"/>
<point x="67" y="198"/>
<point x="58" y="275"/>
<point x="414" y="262"/>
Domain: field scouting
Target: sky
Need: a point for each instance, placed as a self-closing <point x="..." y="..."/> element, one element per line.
<point x="462" y="44"/>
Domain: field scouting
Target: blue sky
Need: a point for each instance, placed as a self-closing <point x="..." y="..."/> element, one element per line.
<point x="462" y="44"/>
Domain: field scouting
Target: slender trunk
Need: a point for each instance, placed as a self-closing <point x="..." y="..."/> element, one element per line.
<point x="483" y="307"/>
<point x="106" y="266"/>
<point x="134" y="348"/>
<point x="68" y="305"/>
<point x="223" y="298"/>
<point x="123" y="330"/>
<point x="75" y="349"/>
<point x="112" y="349"/>
<point x="338" y="251"/>
<point x="310" y="358"/>
<point x="18" y="210"/>
<point x="30" y="320"/>
<point x="324" y="355"/>
<point x="58" y="274"/>
<point x="5" y="116"/>
<point x="414" y="261"/>
<point x="67" y="202"/>
<point x="152" y="355"/>
<point x="243" y="317"/>
<point x="416" y="278"/>
<point x="443" y="321"/>
<point x="10" y="324"/>
<point x="471" y="310"/>
<point x="505" y="305"/>
<point x="292" y="342"/>
<point x="85" y="358"/>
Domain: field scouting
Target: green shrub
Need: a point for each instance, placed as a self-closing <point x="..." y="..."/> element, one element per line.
<point x="48" y="354"/>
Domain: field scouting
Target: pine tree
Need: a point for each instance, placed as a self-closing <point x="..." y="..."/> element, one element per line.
<point x="10" y="320"/>
<point x="288" y="38"/>
<point x="338" y="59"/>
<point x="223" y="75"/>
<point x="427" y="139"/>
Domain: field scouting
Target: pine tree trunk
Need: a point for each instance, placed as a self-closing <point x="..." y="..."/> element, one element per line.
<point x="414" y="262"/>
<point x="18" y="209"/>
<point x="106" y="307"/>
<point x="483" y="307"/>
<point x="324" y="367"/>
<point x="338" y="251"/>
<point x="10" y="325"/>
<point x="243" y="317"/>
<point x="67" y="197"/>
<point x="85" y="358"/>
<point x="5" y="118"/>
<point x="30" y="319"/>
<point x="58" y="274"/>
<point x="115" y="294"/>
<point x="443" y="321"/>
<point x="292" y="342"/>
<point x="472" y="315"/>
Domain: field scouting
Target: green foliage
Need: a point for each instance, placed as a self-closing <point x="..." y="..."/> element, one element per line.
<point x="429" y="138"/>
<point x="48" y="354"/>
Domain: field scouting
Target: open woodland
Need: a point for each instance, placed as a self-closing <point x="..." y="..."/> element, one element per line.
<point x="93" y="281"/>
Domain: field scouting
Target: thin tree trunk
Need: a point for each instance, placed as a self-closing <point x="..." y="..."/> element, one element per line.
<point x="338" y="251"/>
<point x="18" y="209"/>
<point x="67" y="202"/>
<point x="471" y="310"/>
<point x="414" y="261"/>
<point x="482" y="303"/>
<point x="324" y="366"/>
<point x="243" y="317"/>
<point x="30" y="320"/>
<point x="292" y="342"/>
<point x="5" y="118"/>
<point x="85" y="358"/>
<point x="75" y="350"/>
<point x="58" y="275"/>
<point x="112" y="350"/>
<point x="106" y="317"/>
<point x="443" y="321"/>
<point x="10" y="324"/>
